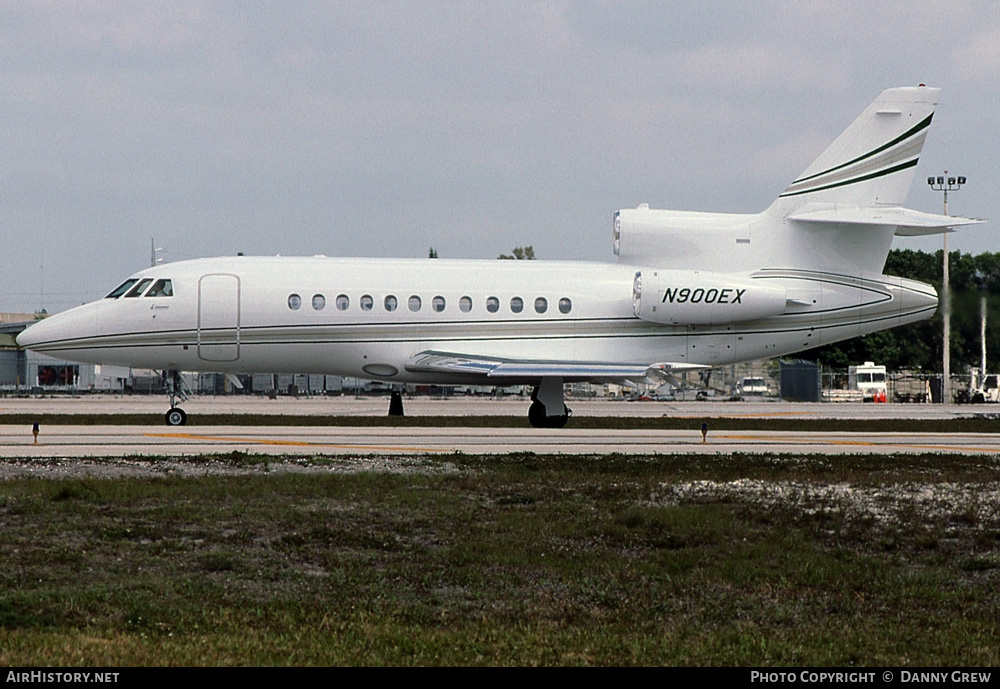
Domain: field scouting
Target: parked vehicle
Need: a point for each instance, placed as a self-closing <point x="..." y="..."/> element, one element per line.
<point x="749" y="387"/>
<point x="869" y="379"/>
<point x="985" y="390"/>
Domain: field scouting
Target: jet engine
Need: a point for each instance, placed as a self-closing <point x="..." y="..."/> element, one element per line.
<point x="694" y="297"/>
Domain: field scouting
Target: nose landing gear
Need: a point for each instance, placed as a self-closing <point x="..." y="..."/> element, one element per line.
<point x="174" y="384"/>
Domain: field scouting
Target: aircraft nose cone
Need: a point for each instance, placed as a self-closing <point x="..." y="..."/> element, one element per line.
<point x="33" y="335"/>
<point x="56" y="331"/>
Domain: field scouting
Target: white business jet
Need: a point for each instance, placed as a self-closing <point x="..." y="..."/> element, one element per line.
<point x="689" y="291"/>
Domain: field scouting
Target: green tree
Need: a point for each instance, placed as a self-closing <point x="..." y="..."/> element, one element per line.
<point x="521" y="253"/>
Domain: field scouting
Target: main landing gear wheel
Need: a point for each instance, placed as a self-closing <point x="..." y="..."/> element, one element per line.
<point x="176" y="417"/>
<point x="548" y="409"/>
<point x="538" y="419"/>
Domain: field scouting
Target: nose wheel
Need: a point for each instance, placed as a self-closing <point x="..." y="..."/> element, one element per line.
<point x="176" y="417"/>
<point x="174" y="384"/>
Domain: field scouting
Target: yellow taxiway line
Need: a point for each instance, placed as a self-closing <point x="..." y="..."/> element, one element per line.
<point x="291" y="443"/>
<point x="856" y="443"/>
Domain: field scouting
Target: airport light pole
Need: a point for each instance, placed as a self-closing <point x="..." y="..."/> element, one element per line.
<point x="980" y="279"/>
<point x="982" y="330"/>
<point x="945" y="184"/>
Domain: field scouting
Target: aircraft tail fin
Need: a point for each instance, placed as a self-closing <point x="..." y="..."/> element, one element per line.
<point x="840" y="215"/>
<point x="873" y="162"/>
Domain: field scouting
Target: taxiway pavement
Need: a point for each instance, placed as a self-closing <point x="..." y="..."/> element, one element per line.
<point x="122" y="440"/>
<point x="457" y="405"/>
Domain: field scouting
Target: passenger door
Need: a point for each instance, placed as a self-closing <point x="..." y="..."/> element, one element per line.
<point x="219" y="317"/>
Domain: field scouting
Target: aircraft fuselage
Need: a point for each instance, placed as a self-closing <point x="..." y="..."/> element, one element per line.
<point x="369" y="317"/>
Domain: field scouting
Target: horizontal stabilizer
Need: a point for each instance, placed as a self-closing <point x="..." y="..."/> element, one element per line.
<point x="908" y="223"/>
<point x="494" y="370"/>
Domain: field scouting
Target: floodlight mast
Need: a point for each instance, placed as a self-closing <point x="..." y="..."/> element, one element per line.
<point x="945" y="184"/>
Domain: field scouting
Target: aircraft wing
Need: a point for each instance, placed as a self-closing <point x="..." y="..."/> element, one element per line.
<point x="495" y="370"/>
<point x="908" y="223"/>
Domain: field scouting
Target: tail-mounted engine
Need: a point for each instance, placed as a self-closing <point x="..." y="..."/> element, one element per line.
<point x="693" y="297"/>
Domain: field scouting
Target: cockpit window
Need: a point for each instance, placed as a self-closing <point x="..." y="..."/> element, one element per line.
<point x="162" y="288"/>
<point x="139" y="289"/>
<point x="122" y="288"/>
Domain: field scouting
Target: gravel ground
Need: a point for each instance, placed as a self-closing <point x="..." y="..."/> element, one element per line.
<point x="958" y="505"/>
<point x="224" y="465"/>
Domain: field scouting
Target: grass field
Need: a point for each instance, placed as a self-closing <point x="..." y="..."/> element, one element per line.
<point x="510" y="560"/>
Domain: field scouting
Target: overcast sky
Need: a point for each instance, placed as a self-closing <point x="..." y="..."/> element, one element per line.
<point x="385" y="128"/>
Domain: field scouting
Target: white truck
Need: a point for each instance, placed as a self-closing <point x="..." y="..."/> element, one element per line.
<point x="868" y="379"/>
<point x="751" y="387"/>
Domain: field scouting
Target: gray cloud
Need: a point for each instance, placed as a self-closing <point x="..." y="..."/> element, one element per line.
<point x="384" y="128"/>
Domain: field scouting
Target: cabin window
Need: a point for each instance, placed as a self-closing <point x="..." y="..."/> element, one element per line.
<point x="139" y="289"/>
<point x="414" y="302"/>
<point x="319" y="302"/>
<point x="465" y="304"/>
<point x="438" y="303"/>
<point x="294" y="302"/>
<point x="565" y="305"/>
<point x="517" y="305"/>
<point x="366" y="302"/>
<point x="343" y="301"/>
<point x="161" y="288"/>
<point x="492" y="304"/>
<point x="541" y="305"/>
<point x="122" y="288"/>
<point x="390" y="303"/>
